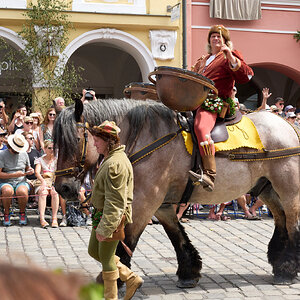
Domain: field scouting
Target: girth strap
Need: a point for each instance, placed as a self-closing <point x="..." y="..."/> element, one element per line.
<point x="261" y="155"/>
<point x="135" y="157"/>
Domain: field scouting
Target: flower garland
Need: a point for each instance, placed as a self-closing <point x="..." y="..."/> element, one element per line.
<point x="215" y="104"/>
<point x="96" y="218"/>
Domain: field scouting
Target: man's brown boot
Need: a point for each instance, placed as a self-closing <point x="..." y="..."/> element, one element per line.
<point x="110" y="284"/>
<point x="132" y="280"/>
<point x="206" y="179"/>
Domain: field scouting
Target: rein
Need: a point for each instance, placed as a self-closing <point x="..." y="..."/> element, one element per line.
<point x="77" y="171"/>
<point x="147" y="150"/>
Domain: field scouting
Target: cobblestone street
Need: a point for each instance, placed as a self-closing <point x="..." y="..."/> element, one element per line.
<point x="233" y="252"/>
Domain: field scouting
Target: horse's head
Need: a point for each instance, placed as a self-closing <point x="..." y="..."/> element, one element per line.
<point x="76" y="153"/>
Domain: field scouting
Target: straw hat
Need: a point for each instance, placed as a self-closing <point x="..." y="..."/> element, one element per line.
<point x="17" y="142"/>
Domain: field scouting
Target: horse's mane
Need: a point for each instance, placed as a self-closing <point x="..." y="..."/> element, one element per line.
<point x="138" y="114"/>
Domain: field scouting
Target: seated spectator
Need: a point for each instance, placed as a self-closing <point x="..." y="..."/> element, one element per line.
<point x="17" y="121"/>
<point x="4" y="120"/>
<point x="33" y="154"/>
<point x="256" y="205"/>
<point x="242" y="201"/>
<point x="216" y="216"/>
<point x="3" y="140"/>
<point x="44" y="170"/>
<point x="14" y="166"/>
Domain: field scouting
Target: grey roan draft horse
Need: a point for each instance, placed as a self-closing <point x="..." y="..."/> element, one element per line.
<point x="161" y="177"/>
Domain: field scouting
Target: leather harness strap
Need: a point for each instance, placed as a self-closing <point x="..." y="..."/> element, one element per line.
<point x="261" y="155"/>
<point x="135" y="157"/>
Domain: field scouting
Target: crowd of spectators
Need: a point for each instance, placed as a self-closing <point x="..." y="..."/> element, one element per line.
<point x="27" y="164"/>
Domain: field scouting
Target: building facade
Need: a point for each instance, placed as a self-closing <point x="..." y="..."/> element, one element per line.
<point x="265" y="40"/>
<point x="115" y="42"/>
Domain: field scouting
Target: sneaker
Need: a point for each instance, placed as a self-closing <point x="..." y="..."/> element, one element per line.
<point x="23" y="219"/>
<point x="63" y="222"/>
<point x="6" y="220"/>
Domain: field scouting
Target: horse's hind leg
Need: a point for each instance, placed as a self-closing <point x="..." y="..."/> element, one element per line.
<point x="285" y="243"/>
<point x="189" y="261"/>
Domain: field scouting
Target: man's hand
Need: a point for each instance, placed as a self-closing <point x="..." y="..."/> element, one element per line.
<point x="266" y="94"/>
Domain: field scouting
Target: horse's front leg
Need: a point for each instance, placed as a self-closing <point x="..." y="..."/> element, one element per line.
<point x="189" y="261"/>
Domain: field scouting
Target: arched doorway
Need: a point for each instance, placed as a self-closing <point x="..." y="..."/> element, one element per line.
<point x="15" y="79"/>
<point x="111" y="59"/>
<point x="281" y="80"/>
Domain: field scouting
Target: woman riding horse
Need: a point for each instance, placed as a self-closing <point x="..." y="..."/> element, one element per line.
<point x="224" y="66"/>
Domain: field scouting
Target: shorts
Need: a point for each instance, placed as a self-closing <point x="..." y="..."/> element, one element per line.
<point x="15" y="186"/>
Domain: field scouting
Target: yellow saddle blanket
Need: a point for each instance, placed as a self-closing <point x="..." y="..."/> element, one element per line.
<point x="242" y="134"/>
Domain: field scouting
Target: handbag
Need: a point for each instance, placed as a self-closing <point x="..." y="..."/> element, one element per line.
<point x="119" y="233"/>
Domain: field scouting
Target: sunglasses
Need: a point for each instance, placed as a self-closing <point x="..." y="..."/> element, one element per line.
<point x="30" y="138"/>
<point x="52" y="115"/>
<point x="281" y="104"/>
<point x="50" y="148"/>
<point x="29" y="123"/>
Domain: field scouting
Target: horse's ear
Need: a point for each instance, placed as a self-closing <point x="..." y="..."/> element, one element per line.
<point x="78" y="110"/>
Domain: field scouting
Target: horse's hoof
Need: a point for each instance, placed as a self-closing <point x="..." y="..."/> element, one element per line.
<point x="188" y="283"/>
<point x="279" y="280"/>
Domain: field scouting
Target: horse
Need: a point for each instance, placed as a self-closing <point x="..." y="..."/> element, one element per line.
<point x="160" y="178"/>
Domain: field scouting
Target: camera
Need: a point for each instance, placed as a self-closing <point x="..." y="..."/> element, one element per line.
<point x="88" y="95"/>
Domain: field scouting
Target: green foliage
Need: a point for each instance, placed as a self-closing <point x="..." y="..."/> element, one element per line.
<point x="92" y="291"/>
<point x="297" y="36"/>
<point x="45" y="34"/>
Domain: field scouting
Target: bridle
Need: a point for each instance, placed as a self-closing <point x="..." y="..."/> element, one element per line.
<point x="78" y="170"/>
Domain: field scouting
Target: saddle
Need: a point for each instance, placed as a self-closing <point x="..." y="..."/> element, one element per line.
<point x="219" y="132"/>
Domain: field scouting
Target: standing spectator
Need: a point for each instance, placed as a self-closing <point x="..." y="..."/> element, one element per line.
<point x="274" y="109"/>
<point x="17" y="121"/>
<point x="46" y="128"/>
<point x="266" y="96"/>
<point x="36" y="130"/>
<point x="234" y="98"/>
<point x="279" y="102"/>
<point x="14" y="166"/>
<point x="27" y="125"/>
<point x="291" y="118"/>
<point x="3" y="116"/>
<point x="45" y="167"/>
<point x="88" y="95"/>
<point x="59" y="104"/>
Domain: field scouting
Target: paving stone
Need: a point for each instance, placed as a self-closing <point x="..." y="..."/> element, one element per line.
<point x="234" y="258"/>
